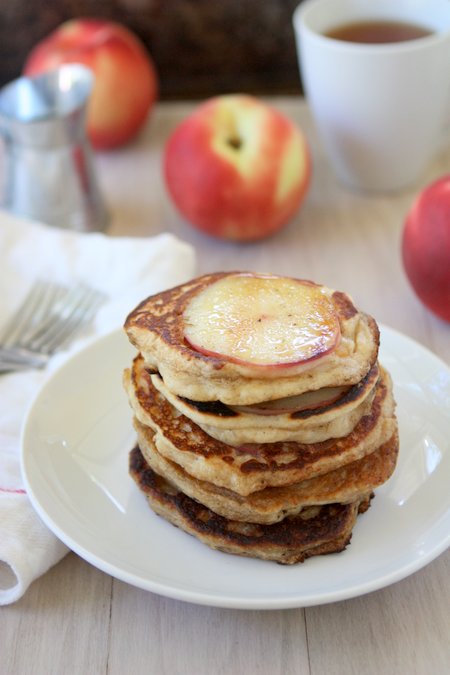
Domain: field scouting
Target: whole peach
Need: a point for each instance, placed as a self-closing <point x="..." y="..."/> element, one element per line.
<point x="426" y="247"/>
<point x="126" y="82"/>
<point x="237" y="168"/>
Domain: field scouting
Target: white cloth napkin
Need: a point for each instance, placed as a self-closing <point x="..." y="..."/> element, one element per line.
<point x="127" y="270"/>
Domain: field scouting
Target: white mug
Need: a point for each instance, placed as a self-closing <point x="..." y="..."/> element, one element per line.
<point x="380" y="109"/>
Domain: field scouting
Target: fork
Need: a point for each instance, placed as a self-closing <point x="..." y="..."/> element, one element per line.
<point x="45" y="321"/>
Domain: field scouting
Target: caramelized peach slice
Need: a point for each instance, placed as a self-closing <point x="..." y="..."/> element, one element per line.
<point x="262" y="321"/>
<point x="310" y="400"/>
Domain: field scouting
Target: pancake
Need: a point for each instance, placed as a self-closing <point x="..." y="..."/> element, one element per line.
<point x="315" y="531"/>
<point x="235" y="426"/>
<point x="156" y="327"/>
<point x="264" y="421"/>
<point x="344" y="485"/>
<point x="252" y="467"/>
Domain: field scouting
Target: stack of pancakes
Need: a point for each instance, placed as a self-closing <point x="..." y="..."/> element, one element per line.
<point x="271" y="463"/>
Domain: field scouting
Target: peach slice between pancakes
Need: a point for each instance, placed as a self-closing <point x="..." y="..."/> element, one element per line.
<point x="262" y="321"/>
<point x="310" y="400"/>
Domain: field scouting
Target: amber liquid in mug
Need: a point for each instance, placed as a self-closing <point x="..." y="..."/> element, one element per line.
<point x="378" y="32"/>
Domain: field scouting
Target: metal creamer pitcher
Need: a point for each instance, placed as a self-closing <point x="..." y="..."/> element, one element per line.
<point x="48" y="169"/>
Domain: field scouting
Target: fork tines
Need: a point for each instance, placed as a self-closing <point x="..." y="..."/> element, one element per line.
<point x="45" y="321"/>
<point x="33" y="310"/>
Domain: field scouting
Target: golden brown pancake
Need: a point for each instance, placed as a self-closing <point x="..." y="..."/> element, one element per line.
<point x="343" y="485"/>
<point x="235" y="427"/>
<point x="156" y="328"/>
<point x="265" y="456"/>
<point x="253" y="467"/>
<point x="315" y="531"/>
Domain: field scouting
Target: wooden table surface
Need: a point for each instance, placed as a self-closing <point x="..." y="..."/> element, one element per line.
<point x="77" y="620"/>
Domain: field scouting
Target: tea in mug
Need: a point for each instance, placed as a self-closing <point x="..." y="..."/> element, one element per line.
<point x="378" y="32"/>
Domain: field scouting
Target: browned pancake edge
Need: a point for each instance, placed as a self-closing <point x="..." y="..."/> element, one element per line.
<point x="321" y="530"/>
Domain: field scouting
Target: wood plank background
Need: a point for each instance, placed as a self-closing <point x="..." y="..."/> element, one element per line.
<point x="200" y="47"/>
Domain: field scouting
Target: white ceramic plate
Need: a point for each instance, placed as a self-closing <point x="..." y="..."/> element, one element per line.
<point x="75" y="447"/>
